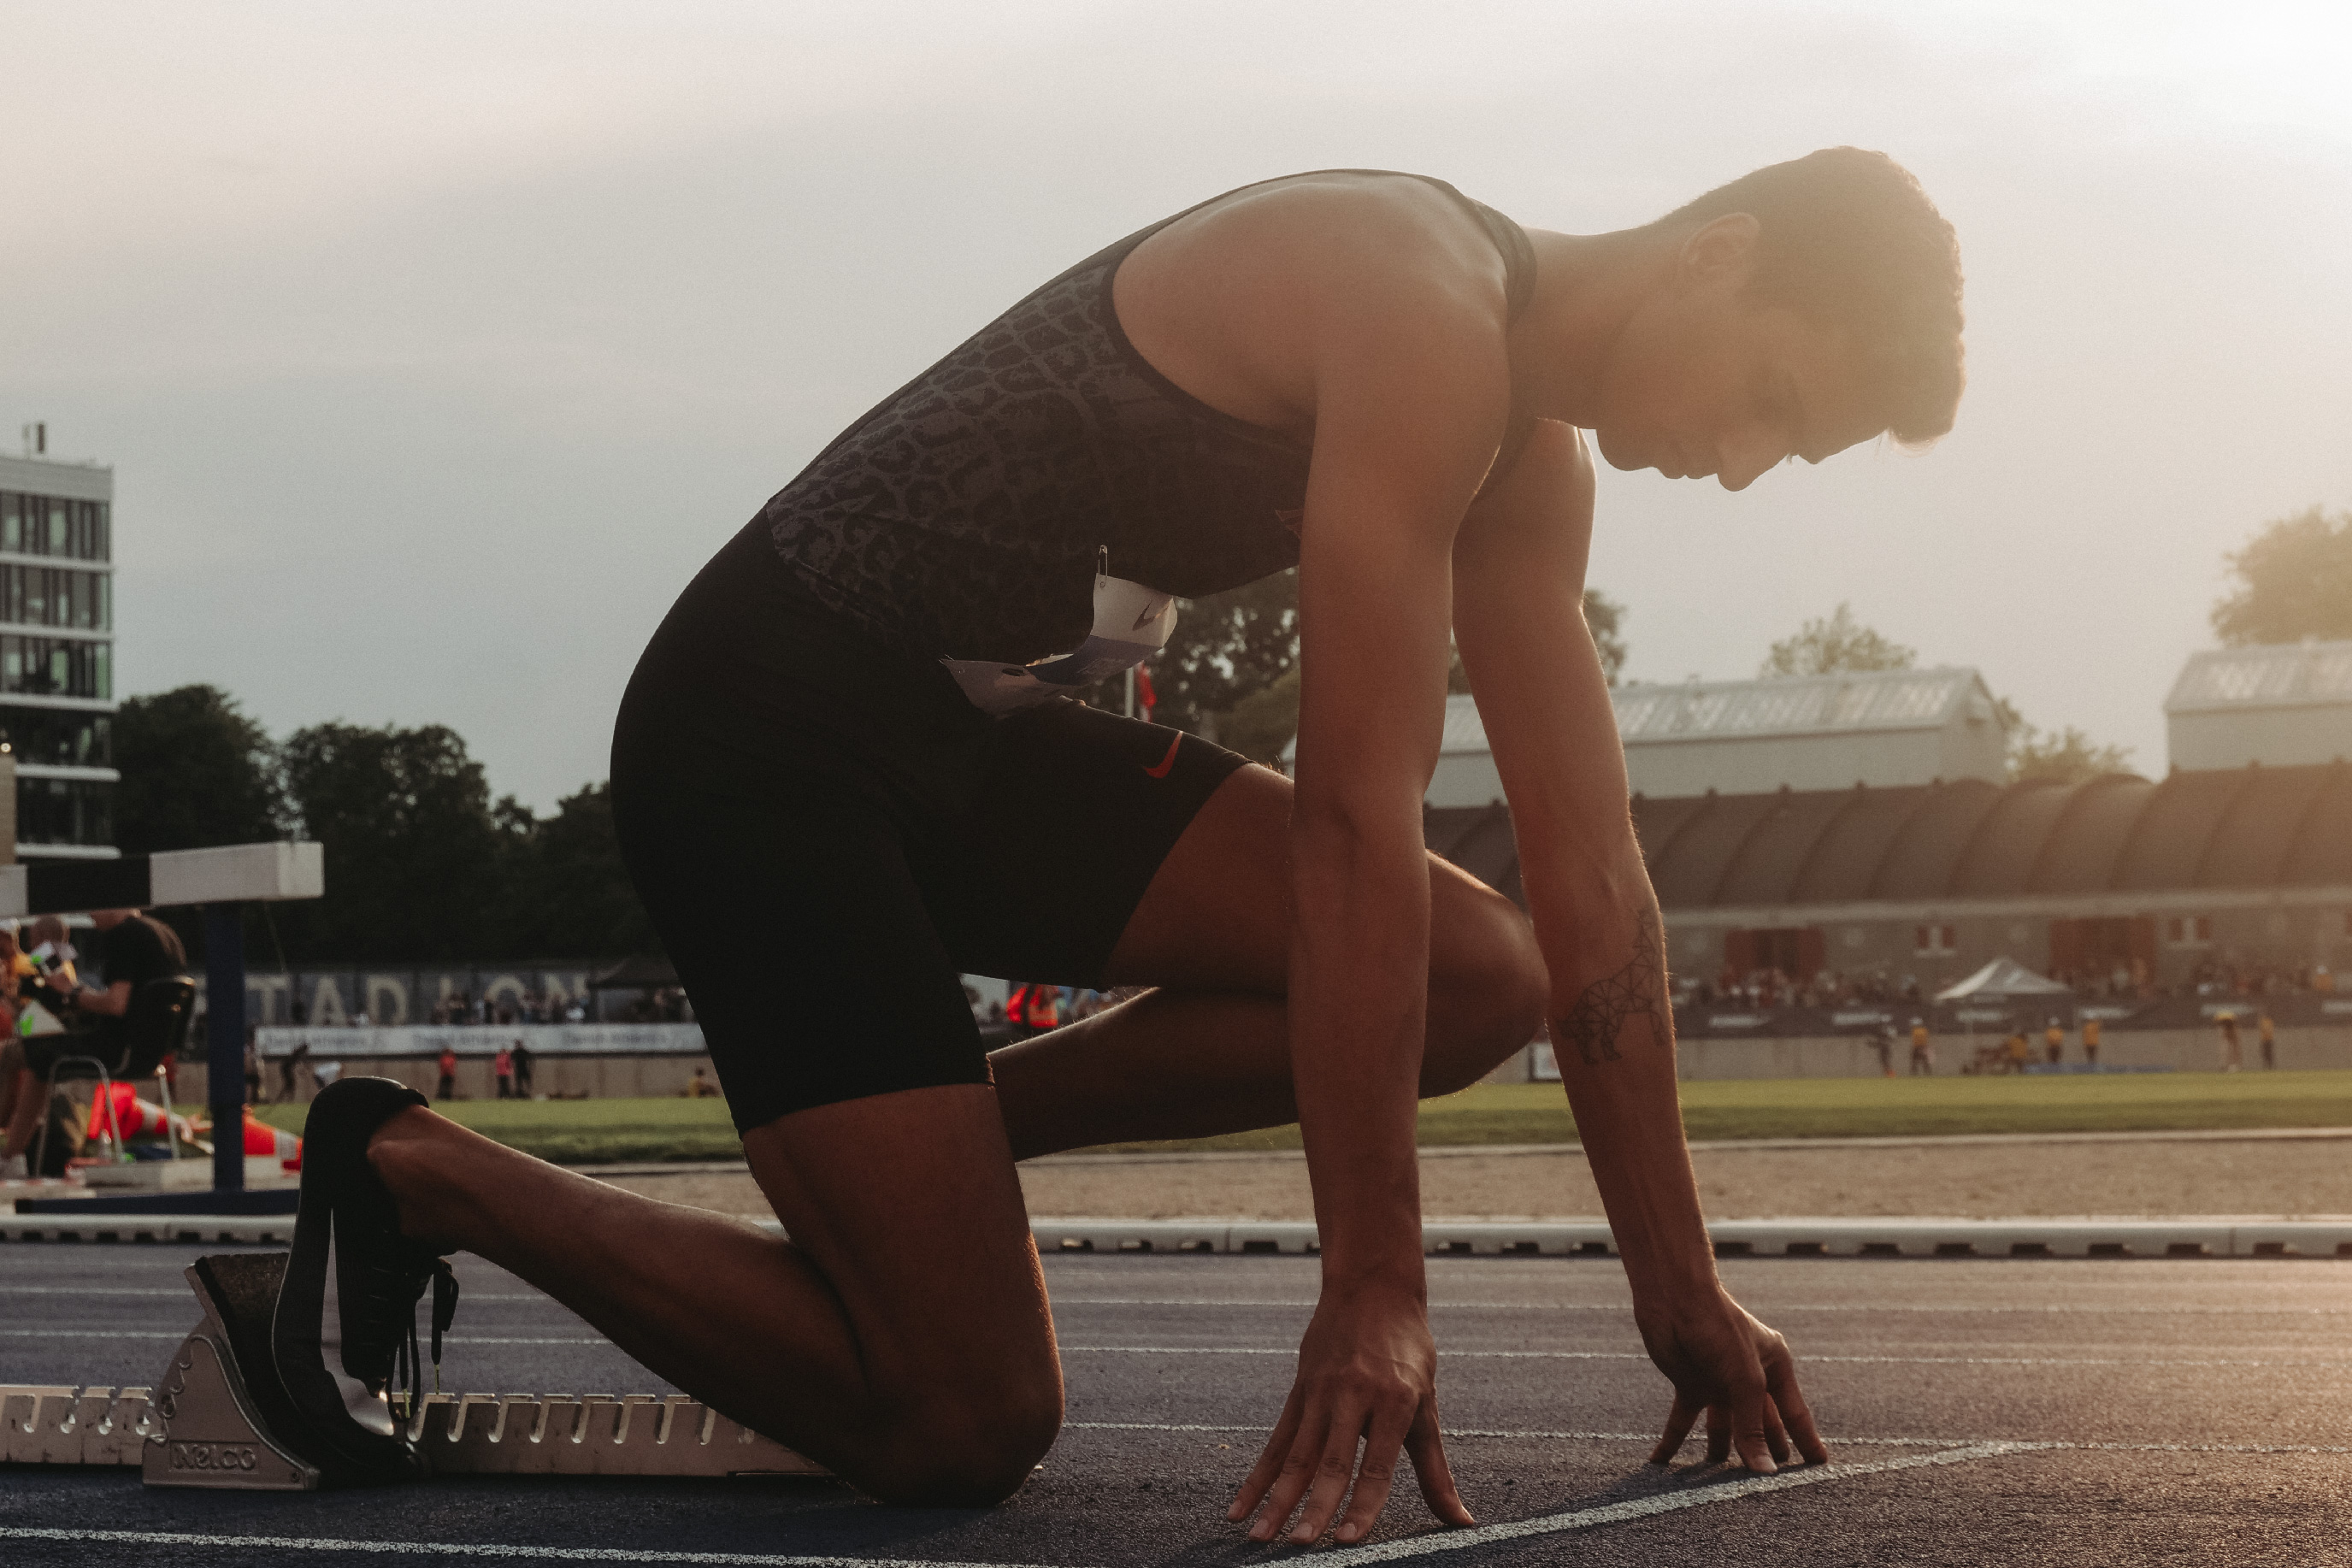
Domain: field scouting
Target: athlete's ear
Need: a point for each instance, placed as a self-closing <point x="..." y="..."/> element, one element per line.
<point x="1720" y="250"/>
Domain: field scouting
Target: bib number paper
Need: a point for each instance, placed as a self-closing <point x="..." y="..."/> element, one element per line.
<point x="1131" y="624"/>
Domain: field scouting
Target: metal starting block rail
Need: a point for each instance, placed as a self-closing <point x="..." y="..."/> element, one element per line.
<point x="201" y="1426"/>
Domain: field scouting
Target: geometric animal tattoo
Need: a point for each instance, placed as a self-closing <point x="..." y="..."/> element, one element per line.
<point x="1603" y="1008"/>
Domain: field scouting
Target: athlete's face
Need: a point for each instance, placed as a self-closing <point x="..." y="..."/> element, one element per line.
<point x="1704" y="383"/>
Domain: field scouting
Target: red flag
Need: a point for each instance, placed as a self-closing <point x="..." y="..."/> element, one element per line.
<point x="1145" y="697"/>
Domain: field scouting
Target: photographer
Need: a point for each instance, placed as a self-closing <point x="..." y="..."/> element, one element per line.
<point x="133" y="949"/>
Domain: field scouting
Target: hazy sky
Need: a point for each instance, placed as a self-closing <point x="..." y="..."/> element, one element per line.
<point x="435" y="346"/>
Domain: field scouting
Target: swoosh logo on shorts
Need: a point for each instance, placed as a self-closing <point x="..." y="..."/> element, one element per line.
<point x="1166" y="762"/>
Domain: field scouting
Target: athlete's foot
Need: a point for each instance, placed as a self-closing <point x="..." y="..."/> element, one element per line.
<point x="346" y="1316"/>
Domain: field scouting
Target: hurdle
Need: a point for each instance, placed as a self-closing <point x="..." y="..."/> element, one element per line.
<point x="221" y="881"/>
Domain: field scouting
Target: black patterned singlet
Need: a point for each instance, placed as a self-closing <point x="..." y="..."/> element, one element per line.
<point x="967" y="514"/>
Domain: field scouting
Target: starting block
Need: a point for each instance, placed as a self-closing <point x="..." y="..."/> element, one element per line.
<point x="203" y="1425"/>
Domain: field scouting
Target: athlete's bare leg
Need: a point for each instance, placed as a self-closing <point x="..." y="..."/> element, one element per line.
<point x="840" y="1341"/>
<point x="1208" y="1050"/>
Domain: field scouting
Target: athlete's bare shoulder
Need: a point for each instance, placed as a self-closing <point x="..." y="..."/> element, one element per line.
<point x="1232" y="303"/>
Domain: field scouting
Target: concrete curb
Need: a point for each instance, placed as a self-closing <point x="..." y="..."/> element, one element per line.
<point x="1710" y="1145"/>
<point x="2187" y="1238"/>
<point x="2184" y="1238"/>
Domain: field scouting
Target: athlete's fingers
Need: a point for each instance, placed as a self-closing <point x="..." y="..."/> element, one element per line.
<point x="1375" y="1474"/>
<point x="1718" y="1435"/>
<point x="1269" y="1460"/>
<point x="1425" y="1444"/>
<point x="1333" y="1470"/>
<point x="1679" y="1421"/>
<point x="1294" y="1473"/>
<point x="1747" y="1405"/>
<point x="1776" y="1436"/>
<point x="1780" y="1382"/>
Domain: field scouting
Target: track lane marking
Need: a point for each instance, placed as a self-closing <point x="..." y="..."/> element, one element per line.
<point x="2290" y="1366"/>
<point x="478" y="1549"/>
<point x="1627" y="1308"/>
<point x="1803" y="1361"/>
<point x="2064" y="1443"/>
<point x="1666" y="1502"/>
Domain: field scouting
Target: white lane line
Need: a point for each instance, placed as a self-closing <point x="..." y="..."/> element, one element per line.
<point x="474" y="1549"/>
<point x="1642" y="1508"/>
<point x="1806" y="1360"/>
<point x="2066" y="1444"/>
<point x="1627" y="1308"/>
<point x="182" y="1333"/>
<point x="1287" y="1351"/>
<point x="180" y="1294"/>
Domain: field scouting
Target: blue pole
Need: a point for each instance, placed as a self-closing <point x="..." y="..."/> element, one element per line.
<point x="224" y="1041"/>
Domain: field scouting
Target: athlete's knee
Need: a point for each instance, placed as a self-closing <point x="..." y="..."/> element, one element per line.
<point x="967" y="1448"/>
<point x="1487" y="991"/>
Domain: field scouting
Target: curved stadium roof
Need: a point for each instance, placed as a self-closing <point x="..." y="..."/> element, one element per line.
<point x="2250" y="828"/>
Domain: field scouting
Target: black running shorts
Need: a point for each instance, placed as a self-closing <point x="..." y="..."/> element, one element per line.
<point x="827" y="834"/>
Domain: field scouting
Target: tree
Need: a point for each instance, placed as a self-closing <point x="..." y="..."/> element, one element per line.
<point x="1225" y="647"/>
<point x="2293" y="580"/>
<point x="2058" y="756"/>
<point x="196" y="773"/>
<point x="414" y="854"/>
<point x="1259" y="721"/>
<point x="1833" y="644"/>
<point x="566" y="891"/>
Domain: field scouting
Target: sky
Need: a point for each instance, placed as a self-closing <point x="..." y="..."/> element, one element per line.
<point x="436" y="346"/>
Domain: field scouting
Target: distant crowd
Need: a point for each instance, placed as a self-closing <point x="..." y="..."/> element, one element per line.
<point x="1762" y="989"/>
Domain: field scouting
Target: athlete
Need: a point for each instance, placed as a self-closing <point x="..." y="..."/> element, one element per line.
<point x="850" y="766"/>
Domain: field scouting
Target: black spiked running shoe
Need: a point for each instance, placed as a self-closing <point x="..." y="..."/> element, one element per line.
<point x="345" y="1324"/>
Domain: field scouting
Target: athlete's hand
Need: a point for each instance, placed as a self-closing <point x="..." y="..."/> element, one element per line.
<point x="1723" y="1361"/>
<point x="1368" y="1371"/>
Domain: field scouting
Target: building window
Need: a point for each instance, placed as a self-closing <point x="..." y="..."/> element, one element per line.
<point x="60" y="739"/>
<point x="2188" y="930"/>
<point x="64" y="811"/>
<point x="1931" y="941"/>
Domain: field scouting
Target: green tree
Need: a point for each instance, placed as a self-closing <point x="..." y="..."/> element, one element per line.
<point x="2065" y="755"/>
<point x="2292" y="581"/>
<point x="415" y="854"/>
<point x="1829" y="644"/>
<point x="196" y="773"/>
<point x="566" y="891"/>
<point x="1225" y="647"/>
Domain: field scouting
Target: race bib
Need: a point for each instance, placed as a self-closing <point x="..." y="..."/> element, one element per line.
<point x="1131" y="624"/>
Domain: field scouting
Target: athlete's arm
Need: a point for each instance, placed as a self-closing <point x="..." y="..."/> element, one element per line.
<point x="1519" y="584"/>
<point x="1411" y="396"/>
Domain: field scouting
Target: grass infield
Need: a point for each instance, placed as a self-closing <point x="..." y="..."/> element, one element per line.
<point x="589" y="1131"/>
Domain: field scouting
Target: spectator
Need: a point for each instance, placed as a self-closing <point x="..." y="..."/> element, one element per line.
<point x="448" y="1089"/>
<point x="1886" y="1044"/>
<point x="252" y="1064"/>
<point x="132" y="951"/>
<point x="2053" y="1041"/>
<point x="521" y="1070"/>
<point x="1923" y="1049"/>
<point x="2234" y="1050"/>
<point x="698" y="1087"/>
<point x="502" y="1070"/>
<point x="2013" y="1051"/>
<point x="2091" y="1041"/>
<point x="296" y="1061"/>
<point x="2267" y="1028"/>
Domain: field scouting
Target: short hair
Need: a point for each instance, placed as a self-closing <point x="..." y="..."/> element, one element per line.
<point x="1847" y="238"/>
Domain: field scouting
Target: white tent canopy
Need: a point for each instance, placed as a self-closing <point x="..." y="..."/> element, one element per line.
<point x="2001" y="979"/>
